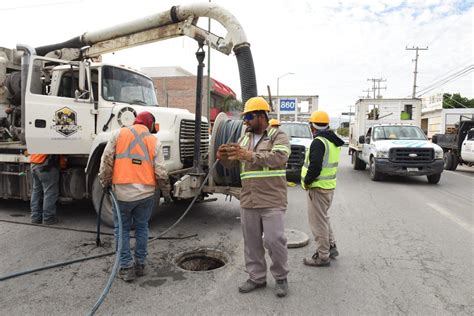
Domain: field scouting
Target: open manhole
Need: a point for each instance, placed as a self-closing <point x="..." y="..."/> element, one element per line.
<point x="202" y="259"/>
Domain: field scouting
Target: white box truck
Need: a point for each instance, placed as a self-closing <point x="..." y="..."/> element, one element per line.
<point x="386" y="136"/>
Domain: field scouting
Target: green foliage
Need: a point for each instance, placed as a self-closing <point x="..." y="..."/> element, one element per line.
<point x="231" y="104"/>
<point x="451" y="101"/>
<point x="343" y="131"/>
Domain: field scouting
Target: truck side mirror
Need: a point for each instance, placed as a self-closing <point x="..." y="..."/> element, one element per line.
<point x="361" y="139"/>
<point x="82" y="76"/>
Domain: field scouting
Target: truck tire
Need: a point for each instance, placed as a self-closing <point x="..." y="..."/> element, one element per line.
<point x="107" y="216"/>
<point x="358" y="164"/>
<point x="434" y="178"/>
<point x="374" y="174"/>
<point x="450" y="161"/>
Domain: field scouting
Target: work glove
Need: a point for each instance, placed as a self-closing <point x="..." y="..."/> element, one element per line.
<point x="236" y="152"/>
<point x="106" y="187"/>
<point x="166" y="196"/>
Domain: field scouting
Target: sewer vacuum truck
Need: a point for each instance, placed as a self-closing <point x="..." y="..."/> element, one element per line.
<point x="61" y="99"/>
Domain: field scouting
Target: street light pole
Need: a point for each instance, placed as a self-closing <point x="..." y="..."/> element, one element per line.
<point x="278" y="92"/>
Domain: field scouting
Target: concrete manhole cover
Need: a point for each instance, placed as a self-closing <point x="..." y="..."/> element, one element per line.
<point x="202" y="259"/>
<point x="296" y="238"/>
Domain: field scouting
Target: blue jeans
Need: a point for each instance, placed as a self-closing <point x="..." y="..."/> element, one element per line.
<point x="139" y="212"/>
<point x="44" y="193"/>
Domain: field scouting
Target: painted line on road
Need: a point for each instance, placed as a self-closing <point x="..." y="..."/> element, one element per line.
<point x="451" y="217"/>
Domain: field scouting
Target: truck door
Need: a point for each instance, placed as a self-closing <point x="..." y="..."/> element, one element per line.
<point x="367" y="145"/>
<point x="58" y="118"/>
<point x="467" y="147"/>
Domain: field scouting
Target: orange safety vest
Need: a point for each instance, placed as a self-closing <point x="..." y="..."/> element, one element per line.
<point x="134" y="156"/>
<point x="38" y="158"/>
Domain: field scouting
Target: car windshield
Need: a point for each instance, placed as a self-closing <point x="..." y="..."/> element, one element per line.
<point x="120" y="85"/>
<point x="398" y="132"/>
<point x="296" y="130"/>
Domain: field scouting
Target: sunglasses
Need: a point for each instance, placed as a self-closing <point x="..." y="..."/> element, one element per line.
<point x="249" y="116"/>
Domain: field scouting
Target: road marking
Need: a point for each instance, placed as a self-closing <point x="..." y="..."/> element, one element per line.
<point x="453" y="218"/>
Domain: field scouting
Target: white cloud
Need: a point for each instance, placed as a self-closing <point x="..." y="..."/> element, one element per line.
<point x="331" y="46"/>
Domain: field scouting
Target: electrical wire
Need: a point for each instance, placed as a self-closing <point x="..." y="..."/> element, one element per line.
<point x="445" y="80"/>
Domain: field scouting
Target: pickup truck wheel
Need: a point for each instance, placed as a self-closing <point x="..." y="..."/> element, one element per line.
<point x="107" y="216"/>
<point x="374" y="174"/>
<point x="434" y="178"/>
<point x="357" y="163"/>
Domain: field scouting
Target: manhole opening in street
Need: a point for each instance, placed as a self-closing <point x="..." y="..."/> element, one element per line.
<point x="202" y="259"/>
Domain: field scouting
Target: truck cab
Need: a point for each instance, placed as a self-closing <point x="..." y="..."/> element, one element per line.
<point x="467" y="148"/>
<point x="400" y="150"/>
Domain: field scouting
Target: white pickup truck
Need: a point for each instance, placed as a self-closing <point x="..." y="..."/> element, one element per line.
<point x="398" y="150"/>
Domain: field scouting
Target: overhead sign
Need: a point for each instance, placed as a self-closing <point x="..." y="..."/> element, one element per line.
<point x="287" y="105"/>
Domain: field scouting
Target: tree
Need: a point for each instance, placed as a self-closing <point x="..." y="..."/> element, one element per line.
<point x="231" y="104"/>
<point x="455" y="100"/>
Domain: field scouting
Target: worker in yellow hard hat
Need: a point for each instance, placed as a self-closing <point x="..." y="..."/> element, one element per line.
<point x="318" y="177"/>
<point x="262" y="154"/>
<point x="274" y="123"/>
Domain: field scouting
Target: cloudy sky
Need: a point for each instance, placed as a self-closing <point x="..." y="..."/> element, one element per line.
<point x="332" y="47"/>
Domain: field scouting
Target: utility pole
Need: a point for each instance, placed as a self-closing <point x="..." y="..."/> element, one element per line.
<point x="416" y="66"/>
<point x="368" y="93"/>
<point x="376" y="86"/>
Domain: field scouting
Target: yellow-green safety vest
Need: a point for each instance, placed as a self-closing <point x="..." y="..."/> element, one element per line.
<point x="327" y="177"/>
<point x="265" y="172"/>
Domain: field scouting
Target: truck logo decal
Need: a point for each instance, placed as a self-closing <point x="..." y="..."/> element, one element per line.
<point x="65" y="122"/>
<point x="409" y="143"/>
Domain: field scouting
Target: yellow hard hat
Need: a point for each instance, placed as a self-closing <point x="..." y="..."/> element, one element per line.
<point x="256" y="104"/>
<point x="274" y="122"/>
<point x="319" y="117"/>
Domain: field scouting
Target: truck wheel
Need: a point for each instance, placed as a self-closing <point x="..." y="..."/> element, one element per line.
<point x="107" y="216"/>
<point x="434" y="178"/>
<point x="374" y="174"/>
<point x="448" y="160"/>
<point x="358" y="164"/>
<point x="455" y="160"/>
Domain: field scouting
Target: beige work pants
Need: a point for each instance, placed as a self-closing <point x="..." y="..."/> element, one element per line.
<point x="319" y="201"/>
<point x="264" y="228"/>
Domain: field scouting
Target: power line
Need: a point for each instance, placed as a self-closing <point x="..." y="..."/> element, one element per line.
<point x="447" y="79"/>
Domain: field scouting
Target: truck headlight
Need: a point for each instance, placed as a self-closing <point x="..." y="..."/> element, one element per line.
<point x="439" y="154"/>
<point x="382" y="154"/>
<point x="166" y="152"/>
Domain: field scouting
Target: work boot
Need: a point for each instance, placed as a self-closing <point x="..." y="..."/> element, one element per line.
<point x="37" y="220"/>
<point x="139" y="269"/>
<point x="249" y="286"/>
<point x="281" y="288"/>
<point x="51" y="221"/>
<point x="316" y="261"/>
<point x="127" y="274"/>
<point x="333" y="253"/>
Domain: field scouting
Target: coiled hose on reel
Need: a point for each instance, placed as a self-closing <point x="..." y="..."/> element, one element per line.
<point x="226" y="131"/>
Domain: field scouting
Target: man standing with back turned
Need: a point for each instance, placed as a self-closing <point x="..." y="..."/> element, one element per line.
<point x="262" y="152"/>
<point x="132" y="163"/>
<point x="318" y="177"/>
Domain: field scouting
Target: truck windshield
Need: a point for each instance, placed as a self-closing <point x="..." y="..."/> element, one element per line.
<point x="398" y="132"/>
<point x="120" y="85"/>
<point x="296" y="130"/>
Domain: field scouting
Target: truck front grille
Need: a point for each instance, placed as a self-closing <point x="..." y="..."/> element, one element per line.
<point x="187" y="139"/>
<point x="411" y="155"/>
<point x="296" y="159"/>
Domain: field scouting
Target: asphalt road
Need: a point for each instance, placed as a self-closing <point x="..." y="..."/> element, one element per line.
<point x="406" y="247"/>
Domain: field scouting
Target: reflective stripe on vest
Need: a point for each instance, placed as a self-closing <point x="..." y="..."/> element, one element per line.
<point x="327" y="176"/>
<point x="38" y="158"/>
<point x="265" y="172"/>
<point x="134" y="156"/>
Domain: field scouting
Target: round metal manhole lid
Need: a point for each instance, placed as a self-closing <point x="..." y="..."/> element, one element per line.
<point x="202" y="259"/>
<point x="296" y="238"/>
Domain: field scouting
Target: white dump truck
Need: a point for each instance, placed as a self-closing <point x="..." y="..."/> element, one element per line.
<point x="386" y="136"/>
<point x="60" y="99"/>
